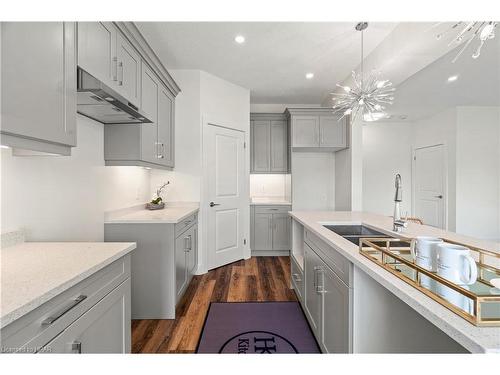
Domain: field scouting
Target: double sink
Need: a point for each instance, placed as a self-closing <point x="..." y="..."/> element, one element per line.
<point x="355" y="233"/>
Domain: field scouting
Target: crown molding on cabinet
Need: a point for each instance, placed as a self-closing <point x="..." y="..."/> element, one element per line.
<point x="132" y="33"/>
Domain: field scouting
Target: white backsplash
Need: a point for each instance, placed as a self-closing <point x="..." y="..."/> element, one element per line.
<point x="270" y="185"/>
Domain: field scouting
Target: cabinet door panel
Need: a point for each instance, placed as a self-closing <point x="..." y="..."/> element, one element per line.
<point x="281" y="231"/>
<point x="193" y="249"/>
<point x="336" y="320"/>
<point x="279" y="152"/>
<point x="332" y="132"/>
<point x="166" y="126"/>
<point x="149" y="132"/>
<point x="305" y="131"/>
<point x="105" y="328"/>
<point x="263" y="236"/>
<point x="97" y="50"/>
<point x="128" y="70"/>
<point x="180" y="265"/>
<point x="261" y="138"/>
<point x="39" y="80"/>
<point x="313" y="300"/>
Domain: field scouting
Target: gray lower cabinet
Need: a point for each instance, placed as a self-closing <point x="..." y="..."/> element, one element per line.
<point x="102" y="329"/>
<point x="270" y="230"/>
<point x="269" y="146"/>
<point x="163" y="263"/>
<point x="38" y="86"/>
<point x="92" y="316"/>
<point x="185" y="259"/>
<point x="317" y="129"/>
<point x="327" y="302"/>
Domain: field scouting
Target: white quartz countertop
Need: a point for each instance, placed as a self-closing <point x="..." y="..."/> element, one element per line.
<point x="171" y="214"/>
<point x="263" y="201"/>
<point x="35" y="272"/>
<point x="474" y="339"/>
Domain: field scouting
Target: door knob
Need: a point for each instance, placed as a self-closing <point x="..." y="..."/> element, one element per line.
<point x="212" y="204"/>
<point x="438" y="196"/>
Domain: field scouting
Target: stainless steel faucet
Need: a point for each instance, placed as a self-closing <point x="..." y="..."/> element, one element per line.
<point x="398" y="223"/>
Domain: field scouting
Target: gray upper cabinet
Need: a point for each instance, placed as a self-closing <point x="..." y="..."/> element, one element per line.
<point x="332" y="132"/>
<point x="269" y="146"/>
<point x="138" y="75"/>
<point x="279" y="146"/>
<point x="97" y="50"/>
<point x="128" y="70"/>
<point x="305" y="131"/>
<point x="43" y="81"/>
<point x="166" y="128"/>
<point x="261" y="146"/>
<point x="317" y="129"/>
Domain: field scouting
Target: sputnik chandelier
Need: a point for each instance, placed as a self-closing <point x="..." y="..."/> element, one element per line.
<point x="368" y="96"/>
<point x="467" y="32"/>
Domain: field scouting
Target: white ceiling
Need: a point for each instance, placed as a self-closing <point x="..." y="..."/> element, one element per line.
<point x="275" y="57"/>
<point x="428" y="91"/>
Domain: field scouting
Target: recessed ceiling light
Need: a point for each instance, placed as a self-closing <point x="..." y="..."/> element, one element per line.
<point x="452" y="78"/>
<point x="240" y="39"/>
<point x="309" y="75"/>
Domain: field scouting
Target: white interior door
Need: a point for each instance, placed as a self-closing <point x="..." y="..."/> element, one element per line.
<point x="225" y="156"/>
<point x="429" y="189"/>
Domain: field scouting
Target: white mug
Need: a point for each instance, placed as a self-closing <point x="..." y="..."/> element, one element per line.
<point x="424" y="252"/>
<point x="456" y="264"/>
<point x="456" y="298"/>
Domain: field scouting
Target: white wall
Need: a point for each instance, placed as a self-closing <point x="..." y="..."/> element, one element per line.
<point x="63" y="198"/>
<point x="349" y="173"/>
<point x="313" y="180"/>
<point x="478" y="172"/>
<point x="386" y="152"/>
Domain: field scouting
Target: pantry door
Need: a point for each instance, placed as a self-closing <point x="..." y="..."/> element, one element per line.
<point x="227" y="201"/>
<point x="430" y="182"/>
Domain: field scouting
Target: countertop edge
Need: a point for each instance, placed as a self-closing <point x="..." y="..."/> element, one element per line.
<point x="391" y="282"/>
<point x="119" y="220"/>
<point x="21" y="311"/>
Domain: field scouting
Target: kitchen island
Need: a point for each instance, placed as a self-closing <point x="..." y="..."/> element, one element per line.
<point x="384" y="320"/>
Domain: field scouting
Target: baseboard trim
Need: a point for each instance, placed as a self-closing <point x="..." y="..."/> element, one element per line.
<point x="270" y="253"/>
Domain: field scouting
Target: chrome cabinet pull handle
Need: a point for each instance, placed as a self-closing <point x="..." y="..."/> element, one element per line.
<point x="76" y="347"/>
<point x="64" y="310"/>
<point x="115" y="68"/>
<point x="120" y="81"/>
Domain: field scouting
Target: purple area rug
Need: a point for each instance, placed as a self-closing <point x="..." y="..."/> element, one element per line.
<point x="255" y="328"/>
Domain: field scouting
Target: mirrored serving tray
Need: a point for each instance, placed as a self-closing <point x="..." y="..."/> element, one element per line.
<point x="478" y="303"/>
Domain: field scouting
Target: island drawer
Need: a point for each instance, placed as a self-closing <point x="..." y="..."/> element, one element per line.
<point x="32" y="331"/>
<point x="272" y="209"/>
<point x="337" y="262"/>
<point x="185" y="224"/>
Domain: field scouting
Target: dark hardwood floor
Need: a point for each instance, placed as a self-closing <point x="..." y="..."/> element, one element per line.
<point x="255" y="279"/>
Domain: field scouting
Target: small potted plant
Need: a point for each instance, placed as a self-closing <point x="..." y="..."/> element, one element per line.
<point x="157" y="203"/>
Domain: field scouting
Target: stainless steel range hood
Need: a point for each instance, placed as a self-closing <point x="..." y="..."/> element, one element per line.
<point x="101" y="103"/>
